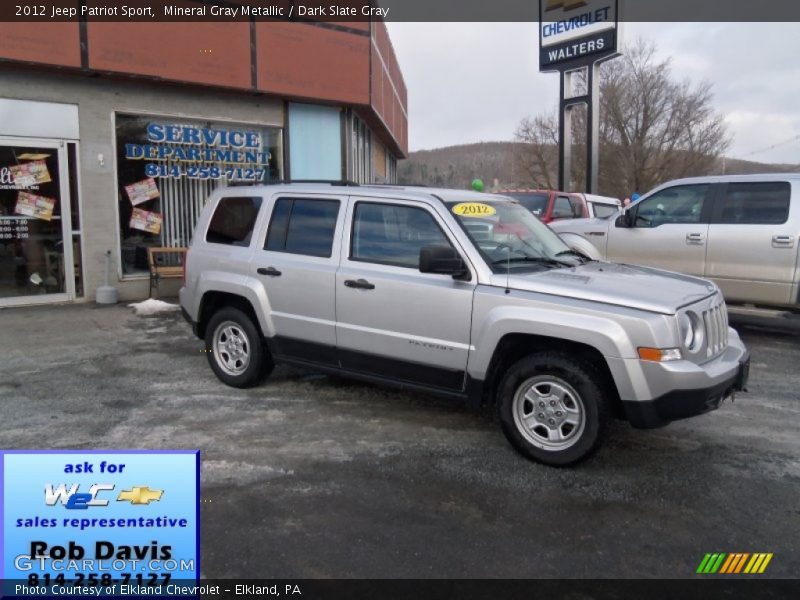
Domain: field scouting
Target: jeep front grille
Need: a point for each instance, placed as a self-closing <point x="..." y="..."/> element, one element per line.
<point x="715" y="321"/>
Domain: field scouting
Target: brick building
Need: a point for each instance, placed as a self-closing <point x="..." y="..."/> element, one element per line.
<point x="112" y="135"/>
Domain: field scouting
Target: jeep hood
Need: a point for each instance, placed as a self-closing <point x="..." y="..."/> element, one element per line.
<point x="644" y="288"/>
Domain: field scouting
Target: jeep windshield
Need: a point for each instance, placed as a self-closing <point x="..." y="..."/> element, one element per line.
<point x="509" y="237"/>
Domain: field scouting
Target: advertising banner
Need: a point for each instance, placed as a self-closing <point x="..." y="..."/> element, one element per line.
<point x="102" y="523"/>
<point x="30" y="174"/>
<point x="142" y="191"/>
<point x="146" y="221"/>
<point x="32" y="205"/>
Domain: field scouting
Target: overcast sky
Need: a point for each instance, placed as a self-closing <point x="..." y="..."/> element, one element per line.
<point x="472" y="82"/>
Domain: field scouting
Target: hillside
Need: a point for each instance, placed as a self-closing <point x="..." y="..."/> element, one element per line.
<point x="457" y="166"/>
<point x="496" y="163"/>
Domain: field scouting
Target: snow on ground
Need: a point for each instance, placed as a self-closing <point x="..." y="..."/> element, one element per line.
<point x="152" y="306"/>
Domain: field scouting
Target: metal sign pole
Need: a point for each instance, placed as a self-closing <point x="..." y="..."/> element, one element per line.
<point x="566" y="103"/>
<point x="572" y="36"/>
<point x="593" y="130"/>
<point x="565" y="132"/>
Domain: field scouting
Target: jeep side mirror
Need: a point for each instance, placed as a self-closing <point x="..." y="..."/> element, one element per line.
<point x="624" y="220"/>
<point x="443" y="260"/>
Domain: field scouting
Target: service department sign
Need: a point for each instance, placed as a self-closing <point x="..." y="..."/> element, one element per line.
<point x="574" y="33"/>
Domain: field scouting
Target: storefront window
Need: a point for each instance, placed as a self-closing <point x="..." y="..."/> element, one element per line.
<point x="391" y="169"/>
<point x="31" y="233"/>
<point x="361" y="147"/>
<point x="168" y="167"/>
<point x="315" y="142"/>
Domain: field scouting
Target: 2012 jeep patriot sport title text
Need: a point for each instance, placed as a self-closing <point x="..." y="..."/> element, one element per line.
<point x="456" y="293"/>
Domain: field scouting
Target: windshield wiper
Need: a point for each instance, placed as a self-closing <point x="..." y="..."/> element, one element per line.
<point x="542" y="260"/>
<point x="583" y="258"/>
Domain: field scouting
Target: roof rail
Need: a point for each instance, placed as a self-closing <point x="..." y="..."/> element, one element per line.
<point x="342" y="182"/>
<point x="384" y="184"/>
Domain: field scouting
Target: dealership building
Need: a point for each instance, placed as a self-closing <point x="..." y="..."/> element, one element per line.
<point x="113" y="134"/>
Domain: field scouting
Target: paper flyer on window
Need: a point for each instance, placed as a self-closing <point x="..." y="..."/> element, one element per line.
<point x="142" y="191"/>
<point x="30" y="174"/>
<point x="146" y="220"/>
<point x="32" y="205"/>
<point x="103" y="523"/>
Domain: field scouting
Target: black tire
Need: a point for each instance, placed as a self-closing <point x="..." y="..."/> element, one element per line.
<point x="234" y="326"/>
<point x="580" y="388"/>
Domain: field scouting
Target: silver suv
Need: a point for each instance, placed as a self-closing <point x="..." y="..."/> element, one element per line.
<point x="456" y="293"/>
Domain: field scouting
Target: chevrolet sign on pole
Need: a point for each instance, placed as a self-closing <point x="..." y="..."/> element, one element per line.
<point x="574" y="33"/>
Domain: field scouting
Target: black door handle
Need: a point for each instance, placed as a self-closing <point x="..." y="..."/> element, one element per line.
<point x="271" y="271"/>
<point x="361" y="284"/>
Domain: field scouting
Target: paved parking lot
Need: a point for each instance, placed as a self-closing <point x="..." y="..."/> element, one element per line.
<point x="314" y="476"/>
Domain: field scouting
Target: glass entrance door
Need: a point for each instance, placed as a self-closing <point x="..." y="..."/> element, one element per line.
<point x="35" y="225"/>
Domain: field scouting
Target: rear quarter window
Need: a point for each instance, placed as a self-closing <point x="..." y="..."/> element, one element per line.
<point x="233" y="220"/>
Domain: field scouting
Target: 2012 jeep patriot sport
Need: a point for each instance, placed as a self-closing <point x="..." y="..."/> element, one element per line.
<point x="456" y="293"/>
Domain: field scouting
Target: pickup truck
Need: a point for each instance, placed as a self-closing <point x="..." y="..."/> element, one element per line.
<point x="739" y="231"/>
<point x="456" y="293"/>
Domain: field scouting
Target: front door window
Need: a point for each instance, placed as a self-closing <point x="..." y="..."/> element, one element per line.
<point x="675" y="205"/>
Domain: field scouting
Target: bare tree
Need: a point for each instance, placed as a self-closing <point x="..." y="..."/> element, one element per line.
<point x="538" y="151"/>
<point x="652" y="127"/>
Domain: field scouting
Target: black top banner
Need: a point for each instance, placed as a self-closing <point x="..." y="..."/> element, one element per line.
<point x="340" y="11"/>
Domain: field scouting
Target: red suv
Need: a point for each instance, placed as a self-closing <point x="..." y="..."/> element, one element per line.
<point x="550" y="205"/>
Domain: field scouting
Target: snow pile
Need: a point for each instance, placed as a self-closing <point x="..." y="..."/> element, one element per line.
<point x="152" y="307"/>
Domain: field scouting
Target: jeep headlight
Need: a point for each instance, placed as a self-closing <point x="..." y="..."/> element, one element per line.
<point x="690" y="331"/>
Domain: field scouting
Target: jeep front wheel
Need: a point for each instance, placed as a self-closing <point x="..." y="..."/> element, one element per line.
<point x="235" y="350"/>
<point x="552" y="408"/>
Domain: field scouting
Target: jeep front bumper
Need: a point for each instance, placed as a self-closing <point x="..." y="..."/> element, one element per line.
<point x="663" y="392"/>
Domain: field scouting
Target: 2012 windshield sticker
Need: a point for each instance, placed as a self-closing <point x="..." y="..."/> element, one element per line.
<point x="473" y="209"/>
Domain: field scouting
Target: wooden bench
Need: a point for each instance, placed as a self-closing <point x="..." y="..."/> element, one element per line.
<point x="164" y="263"/>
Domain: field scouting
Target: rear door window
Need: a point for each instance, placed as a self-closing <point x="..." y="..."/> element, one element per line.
<point x="536" y="203"/>
<point x="303" y="226"/>
<point x="562" y="209"/>
<point x="754" y="203"/>
<point x="233" y="220"/>
<point x="577" y="207"/>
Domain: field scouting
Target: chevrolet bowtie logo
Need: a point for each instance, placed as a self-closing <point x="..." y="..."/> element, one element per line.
<point x="567" y="5"/>
<point x="140" y="494"/>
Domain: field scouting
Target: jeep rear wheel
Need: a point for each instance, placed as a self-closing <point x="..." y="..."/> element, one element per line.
<point x="552" y="408"/>
<point x="235" y="349"/>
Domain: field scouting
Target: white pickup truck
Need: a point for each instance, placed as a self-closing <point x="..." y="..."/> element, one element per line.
<point x="740" y="231"/>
